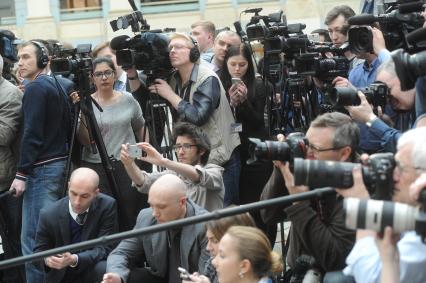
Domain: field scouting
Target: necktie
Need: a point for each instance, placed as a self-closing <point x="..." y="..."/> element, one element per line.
<point x="81" y="218"/>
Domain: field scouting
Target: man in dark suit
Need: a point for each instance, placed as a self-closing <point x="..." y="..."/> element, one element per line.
<point x="164" y="251"/>
<point x="83" y="215"/>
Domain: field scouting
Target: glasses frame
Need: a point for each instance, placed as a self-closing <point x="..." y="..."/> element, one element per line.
<point x="185" y="147"/>
<point x="100" y="75"/>
<point x="316" y="149"/>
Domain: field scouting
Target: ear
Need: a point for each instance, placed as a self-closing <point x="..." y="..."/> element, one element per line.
<point x="182" y="201"/>
<point x="345" y="153"/>
<point x="97" y="191"/>
<point x="245" y="266"/>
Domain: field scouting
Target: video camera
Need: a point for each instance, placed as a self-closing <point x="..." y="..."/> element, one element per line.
<point x="293" y="147"/>
<point x="377" y="174"/>
<point x="376" y="215"/>
<point x="147" y="51"/>
<point x="70" y="61"/>
<point x="400" y="19"/>
<point x="9" y="52"/>
<point x="376" y="94"/>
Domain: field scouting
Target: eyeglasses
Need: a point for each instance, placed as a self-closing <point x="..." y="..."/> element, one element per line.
<point x="317" y="150"/>
<point x="99" y="75"/>
<point x="185" y="147"/>
<point x="177" y="47"/>
<point x="405" y="168"/>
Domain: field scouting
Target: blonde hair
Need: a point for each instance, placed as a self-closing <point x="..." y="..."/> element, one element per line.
<point x="189" y="40"/>
<point x="254" y="246"/>
<point x="219" y="227"/>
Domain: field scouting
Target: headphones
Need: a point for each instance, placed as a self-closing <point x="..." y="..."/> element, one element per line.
<point x="194" y="53"/>
<point x="42" y="58"/>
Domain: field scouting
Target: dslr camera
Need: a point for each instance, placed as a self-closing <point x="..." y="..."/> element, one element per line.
<point x="376" y="95"/>
<point x="293" y="147"/>
<point x="377" y="174"/>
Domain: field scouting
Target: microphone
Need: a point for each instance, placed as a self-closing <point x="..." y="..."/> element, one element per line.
<point x="363" y="19"/>
<point x="417" y="35"/>
<point x="254" y="10"/>
<point x="120" y="42"/>
<point x="405" y="8"/>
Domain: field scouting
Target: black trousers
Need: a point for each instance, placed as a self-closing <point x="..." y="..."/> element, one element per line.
<point x="138" y="275"/>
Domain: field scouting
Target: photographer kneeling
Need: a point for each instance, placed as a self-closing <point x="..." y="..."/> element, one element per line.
<point x="318" y="227"/>
<point x="364" y="260"/>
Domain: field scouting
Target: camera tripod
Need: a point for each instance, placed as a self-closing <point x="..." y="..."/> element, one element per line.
<point x="82" y="80"/>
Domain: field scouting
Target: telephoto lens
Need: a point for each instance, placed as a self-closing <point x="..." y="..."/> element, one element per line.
<point x="376" y="215"/>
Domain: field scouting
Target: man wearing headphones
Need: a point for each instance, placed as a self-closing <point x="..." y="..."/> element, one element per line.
<point x="44" y="148"/>
<point x="197" y="96"/>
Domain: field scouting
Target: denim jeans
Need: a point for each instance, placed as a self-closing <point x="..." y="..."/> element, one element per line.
<point x="231" y="178"/>
<point x="43" y="187"/>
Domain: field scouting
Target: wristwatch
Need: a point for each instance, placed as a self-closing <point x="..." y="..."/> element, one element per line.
<point x="370" y="122"/>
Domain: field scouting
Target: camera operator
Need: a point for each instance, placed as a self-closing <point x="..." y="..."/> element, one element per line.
<point x="336" y="21"/>
<point x="364" y="260"/>
<point x="318" y="228"/>
<point x="197" y="96"/>
<point x="44" y="146"/>
<point x="401" y="101"/>
<point x="10" y="207"/>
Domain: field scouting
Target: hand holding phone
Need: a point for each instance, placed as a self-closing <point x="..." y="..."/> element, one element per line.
<point x="134" y="151"/>
<point x="184" y="274"/>
<point x="235" y="81"/>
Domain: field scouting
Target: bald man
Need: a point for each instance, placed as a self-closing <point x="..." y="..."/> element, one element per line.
<point x="83" y="215"/>
<point x="164" y="251"/>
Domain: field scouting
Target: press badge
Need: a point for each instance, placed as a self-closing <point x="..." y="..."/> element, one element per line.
<point x="236" y="128"/>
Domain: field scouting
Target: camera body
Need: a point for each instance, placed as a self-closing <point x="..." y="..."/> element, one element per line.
<point x="147" y="51"/>
<point x="376" y="95"/>
<point x="70" y="61"/>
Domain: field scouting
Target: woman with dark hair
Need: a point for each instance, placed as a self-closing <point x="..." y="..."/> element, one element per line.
<point x="215" y="231"/>
<point x="118" y="123"/>
<point x="247" y="96"/>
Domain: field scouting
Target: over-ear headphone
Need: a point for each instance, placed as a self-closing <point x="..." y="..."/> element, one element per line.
<point x="42" y="58"/>
<point x="194" y="53"/>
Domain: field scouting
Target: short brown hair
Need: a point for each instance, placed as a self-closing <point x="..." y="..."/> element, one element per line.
<point x="206" y="25"/>
<point x="343" y="10"/>
<point x="220" y="226"/>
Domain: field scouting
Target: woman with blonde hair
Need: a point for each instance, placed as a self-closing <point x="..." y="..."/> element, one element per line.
<point x="245" y="256"/>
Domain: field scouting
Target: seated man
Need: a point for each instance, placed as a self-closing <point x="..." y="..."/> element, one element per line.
<point x="317" y="227"/>
<point x="364" y="259"/>
<point x="204" y="181"/>
<point x="83" y="215"/>
<point x="163" y="251"/>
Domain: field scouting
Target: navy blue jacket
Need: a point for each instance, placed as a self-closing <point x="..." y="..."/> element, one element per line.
<point x="47" y="124"/>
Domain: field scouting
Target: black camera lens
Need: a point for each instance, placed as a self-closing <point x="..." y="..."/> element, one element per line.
<point x="361" y="40"/>
<point x="344" y="96"/>
<point x="321" y="173"/>
<point x="268" y="150"/>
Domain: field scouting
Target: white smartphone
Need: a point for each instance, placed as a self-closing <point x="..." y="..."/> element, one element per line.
<point x="184" y="274"/>
<point x="134" y="151"/>
<point x="235" y="81"/>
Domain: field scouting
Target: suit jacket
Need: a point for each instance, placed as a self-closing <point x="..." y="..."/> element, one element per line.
<point x="53" y="231"/>
<point x="193" y="253"/>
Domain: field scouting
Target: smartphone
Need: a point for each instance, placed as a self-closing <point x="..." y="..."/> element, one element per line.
<point x="184" y="274"/>
<point x="134" y="151"/>
<point x="235" y="81"/>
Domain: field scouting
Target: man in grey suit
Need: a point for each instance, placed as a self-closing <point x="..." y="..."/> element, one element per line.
<point x="83" y="215"/>
<point x="165" y="251"/>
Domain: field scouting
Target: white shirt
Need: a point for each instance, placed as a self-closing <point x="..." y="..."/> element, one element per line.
<point x="365" y="265"/>
<point x="72" y="213"/>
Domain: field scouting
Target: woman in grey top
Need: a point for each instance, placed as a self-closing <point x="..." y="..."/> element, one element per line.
<point x="119" y="122"/>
